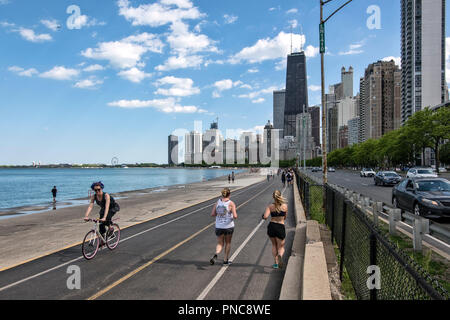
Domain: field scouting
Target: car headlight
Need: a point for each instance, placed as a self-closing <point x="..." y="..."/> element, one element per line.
<point x="431" y="202"/>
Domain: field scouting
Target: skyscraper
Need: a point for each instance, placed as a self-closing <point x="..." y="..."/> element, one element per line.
<point x="377" y="105"/>
<point x="193" y="148"/>
<point x="172" y="150"/>
<point x="347" y="82"/>
<point x="296" y="91"/>
<point x="315" y="124"/>
<point x="423" y="55"/>
<point x="279" y="100"/>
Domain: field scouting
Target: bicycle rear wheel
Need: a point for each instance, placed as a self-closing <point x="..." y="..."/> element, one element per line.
<point x="90" y="245"/>
<point x="113" y="236"/>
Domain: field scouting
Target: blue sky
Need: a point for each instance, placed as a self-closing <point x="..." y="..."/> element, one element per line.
<point x="115" y="79"/>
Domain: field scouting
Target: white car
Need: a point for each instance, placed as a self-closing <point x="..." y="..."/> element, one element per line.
<point x="367" y="172"/>
<point x="421" y="173"/>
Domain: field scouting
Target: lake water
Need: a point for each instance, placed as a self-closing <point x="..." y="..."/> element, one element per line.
<point x="26" y="187"/>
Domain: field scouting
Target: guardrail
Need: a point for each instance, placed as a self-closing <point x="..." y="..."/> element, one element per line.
<point x="429" y="231"/>
<point x="365" y="249"/>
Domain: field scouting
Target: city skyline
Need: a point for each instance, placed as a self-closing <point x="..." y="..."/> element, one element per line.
<point x="73" y="83"/>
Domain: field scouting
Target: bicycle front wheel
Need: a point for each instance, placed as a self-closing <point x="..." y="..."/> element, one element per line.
<point x="90" y="245"/>
<point x="113" y="236"/>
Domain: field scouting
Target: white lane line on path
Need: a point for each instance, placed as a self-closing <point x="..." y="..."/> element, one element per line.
<point x="213" y="282"/>
<point x="134" y="272"/>
<point x="123" y="240"/>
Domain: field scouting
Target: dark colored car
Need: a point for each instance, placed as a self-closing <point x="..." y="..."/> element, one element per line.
<point x="316" y="169"/>
<point x="386" y="178"/>
<point x="428" y="197"/>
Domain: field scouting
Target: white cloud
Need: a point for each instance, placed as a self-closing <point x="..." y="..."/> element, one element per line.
<point x="254" y="70"/>
<point x="126" y="53"/>
<point x="94" y="67"/>
<point x="159" y="13"/>
<point x="180" y="87"/>
<point x="180" y="62"/>
<point x="224" y="85"/>
<point x="270" y="49"/>
<point x="169" y="105"/>
<point x="353" y="49"/>
<point x="84" y="21"/>
<point x="51" y="24"/>
<point x="22" y="72"/>
<point x="60" y="73"/>
<point x="293" y="23"/>
<point x="314" y="88"/>
<point x="30" y="35"/>
<point x="184" y="42"/>
<point x="4" y="2"/>
<point x="134" y="75"/>
<point x="88" y="84"/>
<point x="255" y="94"/>
<point x="260" y="100"/>
<point x="397" y="60"/>
<point x="293" y="10"/>
<point x="230" y="19"/>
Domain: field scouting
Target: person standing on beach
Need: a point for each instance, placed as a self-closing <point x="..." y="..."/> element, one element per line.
<point x="225" y="212"/>
<point x="276" y="229"/>
<point x="54" y="192"/>
<point x="229" y="178"/>
<point x="232" y="176"/>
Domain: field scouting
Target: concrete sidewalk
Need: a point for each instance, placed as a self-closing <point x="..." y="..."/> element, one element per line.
<point x="25" y="238"/>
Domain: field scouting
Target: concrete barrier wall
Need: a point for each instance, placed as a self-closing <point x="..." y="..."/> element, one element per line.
<point x="306" y="276"/>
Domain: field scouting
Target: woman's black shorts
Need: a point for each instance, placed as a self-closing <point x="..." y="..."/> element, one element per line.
<point x="226" y="232"/>
<point x="276" y="230"/>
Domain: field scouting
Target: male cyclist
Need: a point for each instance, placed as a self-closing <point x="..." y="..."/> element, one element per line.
<point x="107" y="204"/>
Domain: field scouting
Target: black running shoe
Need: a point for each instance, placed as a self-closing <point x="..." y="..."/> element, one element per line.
<point x="213" y="260"/>
<point x="227" y="263"/>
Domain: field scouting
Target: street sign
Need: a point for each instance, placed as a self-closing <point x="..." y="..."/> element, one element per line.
<point x="322" y="37"/>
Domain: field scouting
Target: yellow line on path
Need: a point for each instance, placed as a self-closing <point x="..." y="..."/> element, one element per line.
<point x="132" y="273"/>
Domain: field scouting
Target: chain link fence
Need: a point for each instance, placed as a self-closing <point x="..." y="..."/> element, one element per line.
<point x="366" y="252"/>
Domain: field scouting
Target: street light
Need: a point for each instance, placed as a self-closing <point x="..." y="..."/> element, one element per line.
<point x="324" y="111"/>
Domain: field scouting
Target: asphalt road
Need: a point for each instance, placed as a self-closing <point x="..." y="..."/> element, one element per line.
<point x="366" y="186"/>
<point x="166" y="259"/>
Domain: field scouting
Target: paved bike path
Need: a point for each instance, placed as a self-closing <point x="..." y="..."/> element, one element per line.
<point x="108" y="266"/>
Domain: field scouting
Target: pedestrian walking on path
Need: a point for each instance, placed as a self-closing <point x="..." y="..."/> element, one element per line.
<point x="283" y="179"/>
<point x="232" y="176"/>
<point x="54" y="192"/>
<point x="276" y="229"/>
<point x="225" y="212"/>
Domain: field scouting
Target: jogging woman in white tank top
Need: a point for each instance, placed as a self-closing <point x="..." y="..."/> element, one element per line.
<point x="225" y="212"/>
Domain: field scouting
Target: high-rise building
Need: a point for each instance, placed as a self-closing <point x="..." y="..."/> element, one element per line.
<point x="193" y="148"/>
<point x="279" y="100"/>
<point x="377" y="103"/>
<point x="353" y="131"/>
<point x="315" y="124"/>
<point x="229" y="151"/>
<point x="347" y="82"/>
<point x="212" y="145"/>
<point x="347" y="109"/>
<point x="343" y="137"/>
<point x="332" y="118"/>
<point x="172" y="150"/>
<point x="296" y="91"/>
<point x="423" y="55"/>
<point x="305" y="141"/>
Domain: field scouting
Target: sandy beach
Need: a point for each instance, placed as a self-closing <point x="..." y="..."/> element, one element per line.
<point x="27" y="237"/>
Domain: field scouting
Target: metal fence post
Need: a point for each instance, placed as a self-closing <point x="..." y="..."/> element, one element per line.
<point x="420" y="227"/>
<point x="373" y="261"/>
<point x="342" y="249"/>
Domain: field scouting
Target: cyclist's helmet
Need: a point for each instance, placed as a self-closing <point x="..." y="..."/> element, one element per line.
<point x="95" y="184"/>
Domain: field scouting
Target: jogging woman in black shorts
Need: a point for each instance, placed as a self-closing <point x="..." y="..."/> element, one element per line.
<point x="276" y="229"/>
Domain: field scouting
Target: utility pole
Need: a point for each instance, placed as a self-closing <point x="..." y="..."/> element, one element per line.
<point x="324" y="107"/>
<point x="304" y="139"/>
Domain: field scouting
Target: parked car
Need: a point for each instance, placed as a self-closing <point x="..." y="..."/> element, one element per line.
<point x="331" y="169"/>
<point x="316" y="169"/>
<point x="428" y="197"/>
<point x="386" y="178"/>
<point x="366" y="172"/>
<point x="421" y="173"/>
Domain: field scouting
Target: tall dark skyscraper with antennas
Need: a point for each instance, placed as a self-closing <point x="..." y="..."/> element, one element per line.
<point x="296" y="91"/>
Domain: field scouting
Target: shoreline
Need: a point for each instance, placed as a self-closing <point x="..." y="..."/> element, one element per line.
<point x="9" y="213"/>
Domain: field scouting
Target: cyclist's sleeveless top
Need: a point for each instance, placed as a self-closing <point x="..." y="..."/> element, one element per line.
<point x="224" y="218"/>
<point x="102" y="203"/>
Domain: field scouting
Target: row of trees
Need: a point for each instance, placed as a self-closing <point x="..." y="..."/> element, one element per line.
<point x="425" y="129"/>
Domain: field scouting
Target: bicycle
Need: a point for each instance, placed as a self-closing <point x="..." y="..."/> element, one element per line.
<point x="91" y="242"/>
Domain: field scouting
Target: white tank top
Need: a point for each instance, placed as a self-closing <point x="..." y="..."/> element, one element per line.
<point x="224" y="218"/>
